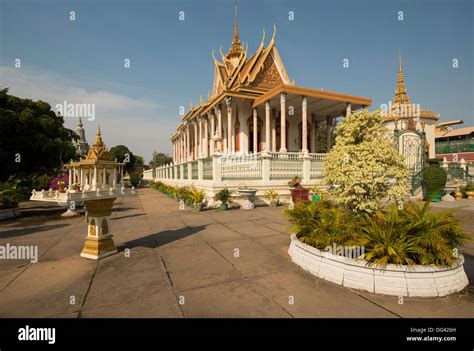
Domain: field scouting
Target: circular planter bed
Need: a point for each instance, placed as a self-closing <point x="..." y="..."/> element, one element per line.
<point x="417" y="280"/>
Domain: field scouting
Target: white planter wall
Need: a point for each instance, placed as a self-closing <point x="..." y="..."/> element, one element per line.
<point x="421" y="281"/>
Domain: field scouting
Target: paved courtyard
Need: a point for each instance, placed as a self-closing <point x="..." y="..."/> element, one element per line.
<point x="188" y="264"/>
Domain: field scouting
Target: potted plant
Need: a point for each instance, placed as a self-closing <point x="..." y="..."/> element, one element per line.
<point x="295" y="182"/>
<point x="316" y="194"/>
<point x="298" y="193"/>
<point x="225" y="197"/>
<point x="76" y="186"/>
<point x="468" y="189"/>
<point x="248" y="194"/>
<point x="273" y="197"/>
<point x="434" y="180"/>
<point x="197" y="197"/>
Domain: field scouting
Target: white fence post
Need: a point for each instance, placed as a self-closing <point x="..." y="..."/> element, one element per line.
<point x="306" y="168"/>
<point x="200" y="169"/>
<point x="266" y="159"/>
<point x="216" y="168"/>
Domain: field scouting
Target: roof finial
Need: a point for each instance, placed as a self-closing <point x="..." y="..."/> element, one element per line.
<point x="98" y="130"/>
<point x="235" y="48"/>
<point x="79" y="123"/>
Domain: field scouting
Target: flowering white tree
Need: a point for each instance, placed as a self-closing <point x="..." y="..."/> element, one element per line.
<point x="363" y="167"/>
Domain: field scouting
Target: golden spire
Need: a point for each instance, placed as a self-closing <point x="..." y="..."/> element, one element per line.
<point x="236" y="48"/>
<point x="400" y="92"/>
<point x="98" y="151"/>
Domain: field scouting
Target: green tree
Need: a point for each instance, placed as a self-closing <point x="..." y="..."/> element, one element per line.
<point x="123" y="154"/>
<point x="161" y="159"/>
<point x="33" y="139"/>
<point x="363" y="166"/>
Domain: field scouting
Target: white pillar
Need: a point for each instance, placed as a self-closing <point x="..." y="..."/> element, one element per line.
<point x="121" y="175"/>
<point x="313" y="134"/>
<point x="82" y="178"/>
<point x="94" y="184"/>
<point x="283" y="122"/>
<point x="212" y="133"/>
<point x="195" y="140"/>
<point x="348" y="109"/>
<point x="200" y="139"/>
<point x="74" y="176"/>
<point x="115" y="178"/>
<point x="304" y="125"/>
<point x="229" y="124"/>
<point x="267" y="126"/>
<point x="70" y="178"/>
<point x="274" y="133"/>
<point x="255" y="130"/>
<point x="206" y="137"/>
<point x="188" y="150"/>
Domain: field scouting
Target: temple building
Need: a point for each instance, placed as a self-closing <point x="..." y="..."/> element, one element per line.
<point x="82" y="147"/>
<point x="254" y="107"/>
<point x="257" y="127"/>
<point x="402" y="114"/>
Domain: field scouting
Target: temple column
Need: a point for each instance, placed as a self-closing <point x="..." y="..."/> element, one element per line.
<point x="70" y="178"/>
<point x="195" y="140"/>
<point x="103" y="177"/>
<point x="229" y="124"/>
<point x="121" y="175"/>
<point x="283" y="122"/>
<point x="329" y="132"/>
<point x="304" y="125"/>
<point x="274" y="133"/>
<point x="200" y="149"/>
<point x="188" y="150"/>
<point x="267" y="126"/>
<point x="206" y="137"/>
<point x="219" y="121"/>
<point x="314" y="133"/>
<point x="82" y="177"/>
<point x="255" y="130"/>
<point x="94" y="181"/>
<point x="73" y="176"/>
<point x="212" y="133"/>
<point x="115" y="177"/>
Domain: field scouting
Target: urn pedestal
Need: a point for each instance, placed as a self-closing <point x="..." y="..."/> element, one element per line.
<point x="99" y="242"/>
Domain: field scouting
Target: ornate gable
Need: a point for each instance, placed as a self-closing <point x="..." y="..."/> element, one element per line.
<point x="269" y="76"/>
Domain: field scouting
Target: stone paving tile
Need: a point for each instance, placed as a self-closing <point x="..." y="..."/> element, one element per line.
<point x="252" y="259"/>
<point x="251" y="229"/>
<point x="121" y="279"/>
<point x="161" y="304"/>
<point x="218" y="232"/>
<point x="304" y="295"/>
<point x="196" y="266"/>
<point x="233" y="299"/>
<point x="44" y="289"/>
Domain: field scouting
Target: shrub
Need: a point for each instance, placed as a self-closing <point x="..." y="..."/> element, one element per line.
<point x="272" y="195"/>
<point x="414" y="235"/>
<point x="363" y="167"/>
<point x="9" y="194"/>
<point x="135" y="179"/>
<point x="197" y="196"/>
<point x="183" y="193"/>
<point x="434" y="178"/>
<point x="41" y="182"/>
<point x="224" y="196"/>
<point x="322" y="223"/>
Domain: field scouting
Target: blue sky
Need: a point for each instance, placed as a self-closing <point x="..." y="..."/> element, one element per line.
<point x="81" y="61"/>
